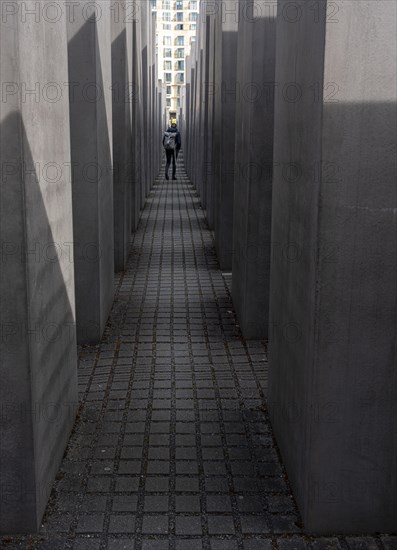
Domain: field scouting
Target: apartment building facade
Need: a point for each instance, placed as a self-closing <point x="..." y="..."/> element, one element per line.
<point x="176" y="31"/>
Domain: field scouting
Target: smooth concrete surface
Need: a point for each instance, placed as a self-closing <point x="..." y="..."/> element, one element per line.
<point x="333" y="378"/>
<point x="122" y="133"/>
<point x="144" y="20"/>
<point x="253" y="167"/>
<point x="38" y="389"/>
<point x="225" y="96"/>
<point x="204" y="105"/>
<point x="89" y="49"/>
<point x="137" y="125"/>
<point x="208" y="175"/>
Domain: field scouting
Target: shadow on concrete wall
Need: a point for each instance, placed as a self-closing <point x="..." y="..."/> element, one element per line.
<point x="136" y="122"/>
<point x="252" y="186"/>
<point x="122" y="151"/>
<point x="92" y="187"/>
<point x="145" y="117"/>
<point x="332" y="382"/>
<point x="38" y="389"/>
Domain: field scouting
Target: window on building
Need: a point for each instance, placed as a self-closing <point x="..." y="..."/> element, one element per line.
<point x="178" y="102"/>
<point x="193" y="26"/>
<point x="179" y="4"/>
<point x="193" y="5"/>
<point x="167" y="26"/>
<point x="168" y="77"/>
<point x="167" y="65"/>
<point x="180" y="78"/>
<point x="167" y="16"/>
<point x="166" y="4"/>
<point x="180" y="65"/>
<point x="180" y="53"/>
<point x="179" y="16"/>
<point x="179" y="27"/>
<point x="192" y="40"/>
<point x="167" y="40"/>
<point x="167" y="52"/>
<point x="180" y="40"/>
<point x="169" y="90"/>
<point x="193" y="16"/>
<point x="168" y="102"/>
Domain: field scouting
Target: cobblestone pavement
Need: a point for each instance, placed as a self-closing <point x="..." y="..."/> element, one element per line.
<point x="172" y="448"/>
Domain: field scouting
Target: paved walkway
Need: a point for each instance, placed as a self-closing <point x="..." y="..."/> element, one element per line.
<point x="172" y="449"/>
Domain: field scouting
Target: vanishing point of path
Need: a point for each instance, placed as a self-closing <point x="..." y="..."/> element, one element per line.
<point x="172" y="448"/>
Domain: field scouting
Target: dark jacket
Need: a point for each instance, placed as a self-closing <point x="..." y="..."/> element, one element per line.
<point x="178" y="140"/>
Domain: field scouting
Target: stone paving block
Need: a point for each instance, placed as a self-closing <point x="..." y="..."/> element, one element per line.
<point x="92" y="523"/>
<point x="87" y="544"/>
<point x="188" y="525"/>
<point x="125" y="503"/>
<point x="220" y="525"/>
<point x="156" y="525"/>
<point x="122" y="523"/>
<point x="254" y="524"/>
<point x="158" y="503"/>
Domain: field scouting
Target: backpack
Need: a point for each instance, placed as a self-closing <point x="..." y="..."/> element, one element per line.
<point x="170" y="140"/>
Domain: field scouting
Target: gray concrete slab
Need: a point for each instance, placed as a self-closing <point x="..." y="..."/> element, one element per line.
<point x="332" y="381"/>
<point x="225" y="90"/>
<point x="122" y="134"/>
<point x="209" y="135"/>
<point x="137" y="122"/>
<point x="253" y="167"/>
<point x="38" y="389"/>
<point x="89" y="52"/>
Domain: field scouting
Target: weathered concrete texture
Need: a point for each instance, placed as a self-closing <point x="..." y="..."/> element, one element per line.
<point x="253" y="167"/>
<point x="209" y="124"/>
<point x="204" y="135"/>
<point x="145" y="59"/>
<point x="147" y="97"/>
<point x="38" y="389"/>
<point x="333" y="383"/>
<point x="89" y="51"/>
<point x="225" y="88"/>
<point x="137" y="124"/>
<point x="200" y="110"/>
<point x="122" y="133"/>
<point x="199" y="116"/>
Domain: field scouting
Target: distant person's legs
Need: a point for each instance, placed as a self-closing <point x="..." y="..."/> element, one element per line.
<point x="169" y="155"/>
<point x="173" y="165"/>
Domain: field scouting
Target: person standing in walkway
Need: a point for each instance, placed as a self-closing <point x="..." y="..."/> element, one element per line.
<point x="172" y="144"/>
